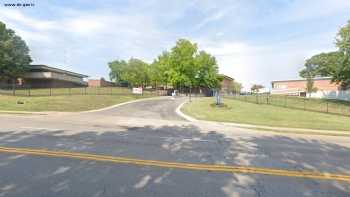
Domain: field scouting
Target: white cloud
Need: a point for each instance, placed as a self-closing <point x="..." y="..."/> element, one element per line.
<point x="17" y="16"/>
<point x="303" y="10"/>
<point x="260" y="64"/>
<point x="91" y="39"/>
<point x="229" y="30"/>
<point x="212" y="18"/>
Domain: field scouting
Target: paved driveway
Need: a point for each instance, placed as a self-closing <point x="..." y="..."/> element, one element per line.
<point x="161" y="108"/>
<point x="144" y="130"/>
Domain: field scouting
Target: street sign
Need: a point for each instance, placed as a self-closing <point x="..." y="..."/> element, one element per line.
<point x="137" y="90"/>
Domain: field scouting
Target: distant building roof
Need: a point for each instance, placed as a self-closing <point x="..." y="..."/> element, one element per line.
<point x="317" y="78"/>
<point x="227" y="77"/>
<point x="49" y="68"/>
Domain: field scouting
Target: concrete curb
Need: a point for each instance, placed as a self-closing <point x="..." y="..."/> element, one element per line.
<point x="186" y="117"/>
<point x="288" y="130"/>
<point x="25" y="112"/>
<point x="282" y="130"/>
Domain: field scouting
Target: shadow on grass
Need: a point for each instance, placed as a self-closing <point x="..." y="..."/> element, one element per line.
<point x="28" y="176"/>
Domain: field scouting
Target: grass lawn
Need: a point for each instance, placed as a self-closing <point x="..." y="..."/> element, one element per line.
<point x="63" y="103"/>
<point x="312" y="104"/>
<point x="259" y="114"/>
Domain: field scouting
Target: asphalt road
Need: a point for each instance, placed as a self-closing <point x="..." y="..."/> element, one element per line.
<point x="151" y="130"/>
<point x="163" y="109"/>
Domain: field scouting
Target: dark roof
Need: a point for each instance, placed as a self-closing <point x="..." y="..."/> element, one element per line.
<point x="319" y="78"/>
<point x="49" y="68"/>
<point x="227" y="77"/>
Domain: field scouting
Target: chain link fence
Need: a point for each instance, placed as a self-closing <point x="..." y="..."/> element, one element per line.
<point x="308" y="104"/>
<point x="28" y="91"/>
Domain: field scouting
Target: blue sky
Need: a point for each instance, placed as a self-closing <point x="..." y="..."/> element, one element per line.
<point x="254" y="41"/>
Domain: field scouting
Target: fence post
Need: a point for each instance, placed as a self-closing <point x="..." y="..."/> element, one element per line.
<point x="304" y="103"/>
<point x="285" y="100"/>
<point x="267" y="99"/>
<point x="257" y="99"/>
<point x="327" y="105"/>
<point x="85" y="90"/>
<point x="29" y="94"/>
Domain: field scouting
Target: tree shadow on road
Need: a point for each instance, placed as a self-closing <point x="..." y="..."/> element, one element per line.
<point x="23" y="175"/>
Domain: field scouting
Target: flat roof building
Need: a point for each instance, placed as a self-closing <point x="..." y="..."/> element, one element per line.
<point x="226" y="84"/>
<point x="43" y="76"/>
<point x="298" y="87"/>
<point x="100" y="83"/>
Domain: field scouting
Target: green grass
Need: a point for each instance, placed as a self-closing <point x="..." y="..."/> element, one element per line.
<point x="249" y="113"/>
<point x="312" y="104"/>
<point x="64" y="103"/>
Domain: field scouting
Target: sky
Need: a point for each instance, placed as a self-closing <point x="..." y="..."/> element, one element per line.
<point x="254" y="41"/>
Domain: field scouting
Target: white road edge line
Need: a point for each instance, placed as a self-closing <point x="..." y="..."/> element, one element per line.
<point x="186" y="117"/>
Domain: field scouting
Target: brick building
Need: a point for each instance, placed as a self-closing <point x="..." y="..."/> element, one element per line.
<point x="298" y="87"/>
<point x="100" y="83"/>
<point x="43" y="76"/>
<point x="325" y="88"/>
<point x="226" y="84"/>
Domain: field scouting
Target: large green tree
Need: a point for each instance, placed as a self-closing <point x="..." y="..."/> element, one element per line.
<point x="342" y="73"/>
<point x="160" y="69"/>
<point x="183" y="70"/>
<point x="135" y="72"/>
<point x="14" y="54"/>
<point x="117" y="71"/>
<point x="182" y="67"/>
<point x="334" y="64"/>
<point x="190" y="68"/>
<point x="323" y="64"/>
<point x="207" y="70"/>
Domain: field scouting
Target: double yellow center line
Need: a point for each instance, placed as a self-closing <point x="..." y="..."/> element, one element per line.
<point x="178" y="165"/>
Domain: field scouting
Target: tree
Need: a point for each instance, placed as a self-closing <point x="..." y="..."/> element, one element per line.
<point x="323" y="64"/>
<point x="182" y="66"/>
<point x="317" y="65"/>
<point x="256" y="87"/>
<point x="159" y="70"/>
<point x="342" y="73"/>
<point x="14" y="55"/>
<point x="135" y="72"/>
<point x="235" y="87"/>
<point x="333" y="64"/>
<point x="118" y="69"/>
<point x="207" y="70"/>
<point x="310" y="86"/>
<point x="183" y="69"/>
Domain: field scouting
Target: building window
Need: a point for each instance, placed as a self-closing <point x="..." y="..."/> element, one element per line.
<point x="280" y="86"/>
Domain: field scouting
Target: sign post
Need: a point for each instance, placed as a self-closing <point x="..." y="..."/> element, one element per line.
<point x="217" y="97"/>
